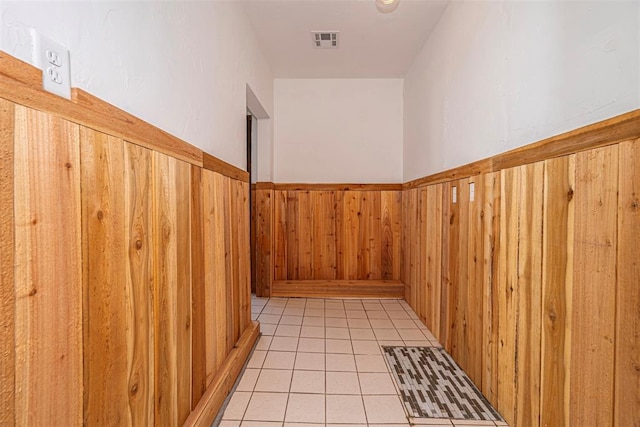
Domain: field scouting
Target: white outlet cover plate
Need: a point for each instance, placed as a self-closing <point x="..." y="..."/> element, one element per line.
<point x="54" y="61"/>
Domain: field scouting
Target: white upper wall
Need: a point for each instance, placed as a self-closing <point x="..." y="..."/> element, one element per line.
<point x="181" y="66"/>
<point x="497" y="75"/>
<point x="338" y="130"/>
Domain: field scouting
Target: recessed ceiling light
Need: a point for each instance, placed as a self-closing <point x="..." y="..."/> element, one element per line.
<point x="387" y="6"/>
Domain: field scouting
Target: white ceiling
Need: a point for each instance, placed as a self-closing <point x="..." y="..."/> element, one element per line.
<point x="372" y="44"/>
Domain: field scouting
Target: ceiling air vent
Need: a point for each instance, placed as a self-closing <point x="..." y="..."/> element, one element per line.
<point x="325" y="39"/>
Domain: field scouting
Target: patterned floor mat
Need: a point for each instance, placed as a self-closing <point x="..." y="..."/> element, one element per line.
<point x="432" y="385"/>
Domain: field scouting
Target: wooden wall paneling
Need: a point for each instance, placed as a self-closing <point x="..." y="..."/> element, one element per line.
<point x="280" y="235"/>
<point x="627" y="358"/>
<point x="445" y="285"/>
<point x="389" y="245"/>
<point x="375" y="236"/>
<point x="475" y="273"/>
<point x="324" y="235"/>
<point x="199" y="305"/>
<point x="237" y="218"/>
<point x="7" y="262"/>
<point x="413" y="245"/>
<point x="557" y="280"/>
<point x="339" y="233"/>
<point x="404" y="237"/>
<point x="293" y="235"/>
<point x="215" y="271"/>
<point x="253" y="221"/>
<point x="422" y="294"/>
<point x="305" y="236"/>
<point x="48" y="271"/>
<point x="267" y="239"/>
<point x="228" y="288"/>
<point x="593" y="299"/>
<point x="363" y="247"/>
<point x="244" y="257"/>
<point x="461" y="325"/>
<point x="508" y="293"/>
<point x="490" y="297"/>
<point x="138" y="204"/>
<point x="453" y="271"/>
<point x="529" y="294"/>
<point x="433" y="258"/>
<point x="351" y="227"/>
<point x="106" y="391"/>
<point x="396" y="223"/>
<point x="172" y="266"/>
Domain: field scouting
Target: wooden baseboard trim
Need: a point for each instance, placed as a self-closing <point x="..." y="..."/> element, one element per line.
<point x="213" y="399"/>
<point x="338" y="288"/>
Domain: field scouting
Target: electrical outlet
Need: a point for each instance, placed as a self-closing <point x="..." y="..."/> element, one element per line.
<point x="472" y="191"/>
<point x="53" y="59"/>
<point x="454" y="194"/>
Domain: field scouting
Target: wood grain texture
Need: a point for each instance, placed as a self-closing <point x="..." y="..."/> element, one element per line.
<point x="529" y="294"/>
<point x="341" y="235"/>
<point x="172" y="280"/>
<point x="593" y="298"/>
<point x="48" y="274"/>
<point x="225" y="378"/>
<point x="199" y="301"/>
<point x="627" y="356"/>
<point x="106" y="391"/>
<point x="508" y="293"/>
<point x="7" y="261"/>
<point x="338" y="288"/>
<point x="264" y="242"/>
<point x="214" y="164"/>
<point x="491" y="202"/>
<point x="138" y="205"/>
<point x="333" y="187"/>
<point x="475" y="273"/>
<point x="557" y="279"/>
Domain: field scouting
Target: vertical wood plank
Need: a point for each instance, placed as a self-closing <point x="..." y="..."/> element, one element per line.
<point x="305" y="239"/>
<point x="396" y="224"/>
<point x="230" y="248"/>
<point x="593" y="299"/>
<point x="529" y="294"/>
<point x="340" y="234"/>
<point x="627" y="369"/>
<point x="413" y="247"/>
<point x="364" y="244"/>
<point x="557" y="278"/>
<point x="461" y="282"/>
<point x="293" y="235"/>
<point x="375" y="235"/>
<point x="434" y="257"/>
<point x="490" y="302"/>
<point x="386" y="234"/>
<point x="508" y="293"/>
<point x="172" y="268"/>
<point x="324" y="235"/>
<point x="199" y="303"/>
<point x="421" y="294"/>
<point x="106" y="391"/>
<point x="475" y="272"/>
<point x="280" y="248"/>
<point x="444" y="335"/>
<point x="351" y="226"/>
<point x="265" y="235"/>
<point x="138" y="205"/>
<point x="7" y="261"/>
<point x="48" y="273"/>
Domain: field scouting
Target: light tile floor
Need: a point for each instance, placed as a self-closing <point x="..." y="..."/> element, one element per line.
<point x="319" y="363"/>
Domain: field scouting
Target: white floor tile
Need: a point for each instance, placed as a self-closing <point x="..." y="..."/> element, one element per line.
<point x="338" y="346"/>
<point x="312" y="321"/>
<point x="345" y="409"/>
<point x="335" y="322"/>
<point x="266" y="407"/>
<point x="337" y="333"/>
<point x="291" y="320"/>
<point x="366" y="347"/>
<point x="310" y="361"/>
<point x="257" y="359"/>
<point x="305" y="408"/>
<point x="277" y="380"/>
<point x="312" y="332"/>
<point x="341" y="362"/>
<point x="237" y="406"/>
<point x="343" y="383"/>
<point x="376" y="383"/>
<point x="284" y="344"/>
<point x="248" y="380"/>
<point x="308" y="382"/>
<point x="287" y="331"/>
<point x="370" y="363"/>
<point x="311" y="345"/>
<point x="279" y="360"/>
<point x="383" y="409"/>
<point x="361" y="334"/>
